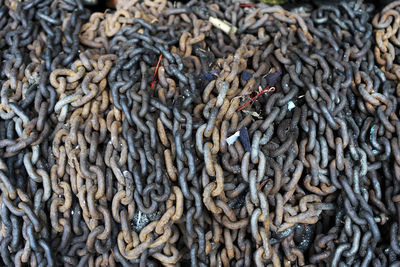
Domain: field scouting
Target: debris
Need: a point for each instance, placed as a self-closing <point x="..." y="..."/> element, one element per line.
<point x="272" y="78"/>
<point x="209" y="76"/>
<point x="231" y="139"/>
<point x="252" y="113"/>
<point x="267" y="89"/>
<point x="246" y="5"/>
<point x="246" y="76"/>
<point x="245" y="139"/>
<point x="291" y="105"/>
<point x="155" y="72"/>
<point x="223" y="25"/>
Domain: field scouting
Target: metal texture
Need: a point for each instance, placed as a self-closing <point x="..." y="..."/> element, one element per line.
<point x="203" y="134"/>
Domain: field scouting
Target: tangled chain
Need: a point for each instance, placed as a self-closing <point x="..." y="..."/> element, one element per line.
<point x="37" y="37"/>
<point x="202" y="134"/>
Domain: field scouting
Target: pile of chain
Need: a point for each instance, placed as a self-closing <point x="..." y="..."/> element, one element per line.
<point x="204" y="134"/>
<point x="386" y="50"/>
<point x="37" y="37"/>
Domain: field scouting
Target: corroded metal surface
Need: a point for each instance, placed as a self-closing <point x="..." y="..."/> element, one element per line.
<point x="202" y="134"/>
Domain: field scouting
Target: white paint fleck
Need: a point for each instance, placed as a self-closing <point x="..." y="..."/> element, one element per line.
<point x="231" y="139"/>
<point x="139" y="216"/>
<point x="291" y="105"/>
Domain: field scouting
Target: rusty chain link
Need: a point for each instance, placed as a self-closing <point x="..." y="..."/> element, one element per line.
<point x="200" y="133"/>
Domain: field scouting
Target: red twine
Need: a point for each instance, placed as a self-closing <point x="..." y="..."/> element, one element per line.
<point x="155" y="72"/>
<point x="246" y="5"/>
<point x="266" y="89"/>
